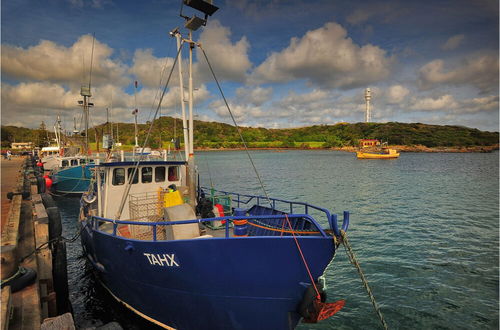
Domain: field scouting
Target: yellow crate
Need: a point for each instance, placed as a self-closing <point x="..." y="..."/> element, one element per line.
<point x="173" y="198"/>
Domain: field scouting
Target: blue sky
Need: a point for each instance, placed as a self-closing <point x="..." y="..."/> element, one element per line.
<point x="282" y="63"/>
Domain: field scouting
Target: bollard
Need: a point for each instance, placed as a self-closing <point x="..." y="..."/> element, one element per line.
<point x="55" y="225"/>
<point x="40" y="182"/>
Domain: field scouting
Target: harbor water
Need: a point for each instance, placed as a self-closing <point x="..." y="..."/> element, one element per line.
<point x="424" y="227"/>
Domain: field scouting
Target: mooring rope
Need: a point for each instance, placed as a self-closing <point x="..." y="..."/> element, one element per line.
<point x="354" y="261"/>
<point x="59" y="238"/>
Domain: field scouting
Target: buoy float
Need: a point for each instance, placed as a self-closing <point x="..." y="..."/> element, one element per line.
<point x="48" y="182"/>
<point x="39" y="164"/>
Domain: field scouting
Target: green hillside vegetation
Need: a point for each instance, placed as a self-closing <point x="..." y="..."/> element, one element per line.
<point x="220" y="135"/>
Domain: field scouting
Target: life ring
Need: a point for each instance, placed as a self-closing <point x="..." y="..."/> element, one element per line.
<point x="89" y="198"/>
<point x="220" y="212"/>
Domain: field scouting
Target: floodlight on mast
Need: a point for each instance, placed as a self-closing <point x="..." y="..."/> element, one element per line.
<point x="195" y="22"/>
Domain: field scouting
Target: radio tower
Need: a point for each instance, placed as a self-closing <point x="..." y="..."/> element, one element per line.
<point x="368" y="113"/>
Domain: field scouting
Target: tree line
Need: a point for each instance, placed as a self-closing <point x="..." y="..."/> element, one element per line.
<point x="221" y="135"/>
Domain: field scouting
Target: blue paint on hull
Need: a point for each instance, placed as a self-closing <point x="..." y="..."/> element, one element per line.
<point x="215" y="283"/>
<point x="72" y="180"/>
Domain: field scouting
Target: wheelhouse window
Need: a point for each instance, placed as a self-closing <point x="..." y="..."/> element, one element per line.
<point x="65" y="163"/>
<point x="83" y="161"/>
<point x="147" y="175"/>
<point x="118" y="176"/>
<point x="136" y="176"/>
<point x="74" y="162"/>
<point x="173" y="173"/>
<point x="160" y="174"/>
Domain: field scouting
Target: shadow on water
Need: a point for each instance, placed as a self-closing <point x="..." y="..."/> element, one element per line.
<point x="93" y="306"/>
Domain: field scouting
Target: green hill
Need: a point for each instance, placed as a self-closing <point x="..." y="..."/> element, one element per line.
<point x="219" y="135"/>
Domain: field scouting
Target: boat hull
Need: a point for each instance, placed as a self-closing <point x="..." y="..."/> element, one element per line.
<point x="214" y="283"/>
<point x="368" y="155"/>
<point x="72" y="180"/>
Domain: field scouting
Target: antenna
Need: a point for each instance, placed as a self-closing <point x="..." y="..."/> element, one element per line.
<point x="85" y="92"/>
<point x="91" y="59"/>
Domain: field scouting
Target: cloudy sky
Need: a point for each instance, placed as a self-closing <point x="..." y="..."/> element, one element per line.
<point x="281" y="63"/>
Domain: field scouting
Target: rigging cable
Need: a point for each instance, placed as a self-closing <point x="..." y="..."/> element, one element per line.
<point x="236" y="125"/>
<point x="134" y="173"/>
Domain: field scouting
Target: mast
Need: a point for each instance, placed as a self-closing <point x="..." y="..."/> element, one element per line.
<point x="191" y="163"/>
<point x="181" y="87"/>
<point x="57" y="131"/>
<point x="85" y="92"/>
<point x="135" y="115"/>
<point x="192" y="24"/>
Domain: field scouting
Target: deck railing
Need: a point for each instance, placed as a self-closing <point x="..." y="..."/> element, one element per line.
<point x="318" y="231"/>
<point x="264" y="201"/>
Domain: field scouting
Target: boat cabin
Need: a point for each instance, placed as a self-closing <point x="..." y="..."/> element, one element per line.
<point x="150" y="179"/>
<point x="73" y="161"/>
<point x="49" y="151"/>
<point x="366" y="143"/>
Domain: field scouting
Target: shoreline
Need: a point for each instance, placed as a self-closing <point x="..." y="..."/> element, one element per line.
<point x="400" y="148"/>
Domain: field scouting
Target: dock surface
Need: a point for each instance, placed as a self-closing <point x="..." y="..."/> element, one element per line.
<point x="10" y="175"/>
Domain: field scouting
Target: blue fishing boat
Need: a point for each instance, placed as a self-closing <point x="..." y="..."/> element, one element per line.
<point x="72" y="176"/>
<point x="187" y="257"/>
<point x="168" y="265"/>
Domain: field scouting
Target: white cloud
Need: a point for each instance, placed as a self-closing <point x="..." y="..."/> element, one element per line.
<point x="327" y="58"/>
<point x="150" y="70"/>
<point x="48" y="61"/>
<point x="478" y="71"/>
<point x="38" y="95"/>
<point x="445" y="102"/>
<point x="453" y="42"/>
<point x="396" y="94"/>
<point x="229" y="61"/>
<point x="254" y="95"/>
<point x="241" y="112"/>
<point x="479" y="104"/>
<point x="383" y="13"/>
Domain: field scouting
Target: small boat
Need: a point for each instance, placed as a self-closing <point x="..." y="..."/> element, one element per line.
<point x="384" y="154"/>
<point x="188" y="257"/>
<point x="49" y="157"/>
<point x="72" y="175"/>
<point x="142" y="151"/>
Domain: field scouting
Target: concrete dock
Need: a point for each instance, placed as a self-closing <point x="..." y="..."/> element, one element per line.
<point x="24" y="249"/>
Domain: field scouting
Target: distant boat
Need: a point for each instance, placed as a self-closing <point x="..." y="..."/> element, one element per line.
<point x="72" y="175"/>
<point x="386" y="153"/>
<point x="142" y="151"/>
